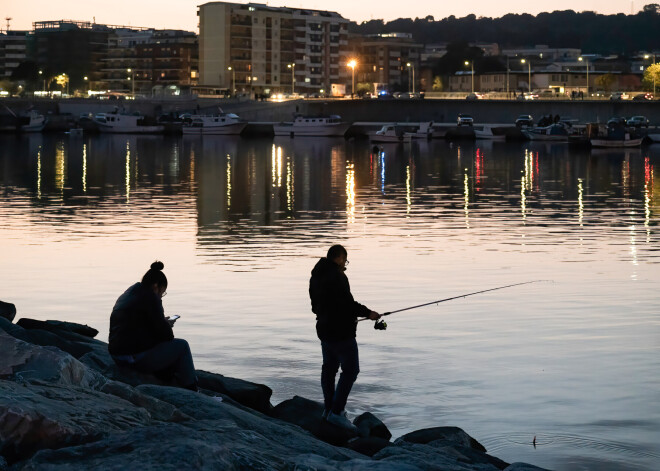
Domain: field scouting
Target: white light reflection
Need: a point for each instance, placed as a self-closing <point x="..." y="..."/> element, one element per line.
<point x="289" y="185"/>
<point x="350" y="192"/>
<point x="276" y="164"/>
<point x="523" y="199"/>
<point x="84" y="169"/>
<point x="228" y="181"/>
<point x="580" y="202"/>
<point x="382" y="172"/>
<point x="648" y="188"/>
<point x="408" y="199"/>
<point x="39" y="173"/>
<point x="466" y="196"/>
<point x="128" y="172"/>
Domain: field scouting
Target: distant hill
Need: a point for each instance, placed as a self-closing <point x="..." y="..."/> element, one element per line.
<point x="589" y="31"/>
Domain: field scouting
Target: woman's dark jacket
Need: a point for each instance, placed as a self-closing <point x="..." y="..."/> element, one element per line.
<point x="137" y="322"/>
<point x="332" y="302"/>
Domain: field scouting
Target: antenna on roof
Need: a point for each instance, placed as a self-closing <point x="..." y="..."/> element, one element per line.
<point x="8" y="20"/>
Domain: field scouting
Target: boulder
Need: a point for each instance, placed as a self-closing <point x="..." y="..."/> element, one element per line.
<point x="44" y="338"/>
<point x="23" y="361"/>
<point x="58" y="327"/>
<point x="368" y="445"/>
<point x="371" y="426"/>
<point x="253" y="395"/>
<point x="523" y="467"/>
<point x="7" y="310"/>
<point x="441" y="435"/>
<point x="307" y="414"/>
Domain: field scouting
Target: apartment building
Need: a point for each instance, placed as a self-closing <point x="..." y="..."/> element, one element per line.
<point x="256" y="49"/>
<point x="13" y="51"/>
<point x="382" y="61"/>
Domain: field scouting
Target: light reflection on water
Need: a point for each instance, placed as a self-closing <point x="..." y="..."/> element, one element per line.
<point x="239" y="224"/>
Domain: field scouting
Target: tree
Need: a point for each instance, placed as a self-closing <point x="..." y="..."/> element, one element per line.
<point x="606" y="81"/>
<point x="651" y="77"/>
<point x="437" y="84"/>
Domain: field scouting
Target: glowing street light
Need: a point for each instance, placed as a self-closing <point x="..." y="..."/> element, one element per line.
<point x="352" y="64"/>
<point x="646" y="56"/>
<point x="471" y="64"/>
<point x="233" y="80"/>
<point x="411" y="66"/>
<point x="41" y="72"/>
<point x="586" y="62"/>
<point x="529" y="74"/>
<point x="293" y="78"/>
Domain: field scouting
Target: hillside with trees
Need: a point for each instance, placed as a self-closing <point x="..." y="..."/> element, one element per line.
<point x="593" y="33"/>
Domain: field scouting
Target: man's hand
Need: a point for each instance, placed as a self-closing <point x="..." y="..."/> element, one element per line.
<point x="171" y="321"/>
<point x="374" y="316"/>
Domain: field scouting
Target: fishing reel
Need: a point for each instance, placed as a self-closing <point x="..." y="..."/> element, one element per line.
<point x="380" y="325"/>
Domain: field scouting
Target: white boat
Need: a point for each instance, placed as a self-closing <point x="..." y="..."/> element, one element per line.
<point x="424" y="131"/>
<point x="312" y="126"/>
<point x="486" y="132"/>
<point x="36" y="122"/>
<point x="225" y="123"/>
<point x="557" y="132"/>
<point x="610" y="143"/>
<point x="125" y="124"/>
<point x="389" y="133"/>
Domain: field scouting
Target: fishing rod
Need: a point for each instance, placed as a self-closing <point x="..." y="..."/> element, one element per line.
<point x="381" y="325"/>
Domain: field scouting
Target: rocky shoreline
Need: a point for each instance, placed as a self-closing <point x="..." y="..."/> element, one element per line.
<point x="65" y="405"/>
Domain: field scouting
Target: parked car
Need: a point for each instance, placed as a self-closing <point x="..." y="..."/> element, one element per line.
<point x="617" y="120"/>
<point x="464" y="120"/>
<point x="618" y="96"/>
<point x="475" y="96"/>
<point x="524" y="120"/>
<point x="643" y="97"/>
<point x="638" y="121"/>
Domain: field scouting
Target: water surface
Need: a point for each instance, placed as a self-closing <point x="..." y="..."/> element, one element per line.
<point x="240" y="223"/>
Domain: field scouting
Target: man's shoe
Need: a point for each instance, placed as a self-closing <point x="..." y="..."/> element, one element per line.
<point x="340" y="420"/>
<point x="324" y="415"/>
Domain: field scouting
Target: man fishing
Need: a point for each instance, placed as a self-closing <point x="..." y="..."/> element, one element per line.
<point x="336" y="324"/>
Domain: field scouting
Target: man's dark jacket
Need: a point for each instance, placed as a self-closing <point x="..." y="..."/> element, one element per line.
<point x="137" y="322"/>
<point x="332" y="302"/>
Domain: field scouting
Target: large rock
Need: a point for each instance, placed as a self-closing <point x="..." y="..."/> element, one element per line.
<point x="44" y="338"/>
<point x="58" y="327"/>
<point x="307" y="414"/>
<point x="253" y="395"/>
<point x="368" y="445"/>
<point x="7" y="310"/>
<point x="371" y="426"/>
<point x="442" y="435"/>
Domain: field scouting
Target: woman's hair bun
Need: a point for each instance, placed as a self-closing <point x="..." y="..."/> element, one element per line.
<point x="157" y="265"/>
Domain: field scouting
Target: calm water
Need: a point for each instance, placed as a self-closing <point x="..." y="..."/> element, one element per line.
<point x="240" y="223"/>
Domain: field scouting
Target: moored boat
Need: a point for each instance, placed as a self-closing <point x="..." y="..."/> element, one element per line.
<point x="486" y="132"/>
<point x="558" y="132"/>
<point x="119" y="123"/>
<point x="389" y="133"/>
<point x="318" y="126"/>
<point x="33" y="122"/>
<point x="222" y="124"/>
<point x="654" y="137"/>
<point x="612" y="135"/>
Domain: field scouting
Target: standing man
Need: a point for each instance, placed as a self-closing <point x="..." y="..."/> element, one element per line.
<point x="336" y="324"/>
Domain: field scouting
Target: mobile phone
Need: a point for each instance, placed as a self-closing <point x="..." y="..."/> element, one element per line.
<point x="174" y="317"/>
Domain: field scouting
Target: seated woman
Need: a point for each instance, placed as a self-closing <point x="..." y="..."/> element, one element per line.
<point x="141" y="336"/>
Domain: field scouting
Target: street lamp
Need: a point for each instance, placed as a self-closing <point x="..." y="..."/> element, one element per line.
<point x="529" y="74"/>
<point x="646" y="56"/>
<point x="132" y="79"/>
<point x="293" y="77"/>
<point x="233" y="80"/>
<point x="587" y="62"/>
<point x="471" y="64"/>
<point x="352" y="63"/>
<point x="85" y="78"/>
<point x="411" y="66"/>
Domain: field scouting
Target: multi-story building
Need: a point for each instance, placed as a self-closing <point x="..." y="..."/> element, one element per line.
<point x="13" y="51"/>
<point x="257" y="49"/>
<point x="387" y="61"/>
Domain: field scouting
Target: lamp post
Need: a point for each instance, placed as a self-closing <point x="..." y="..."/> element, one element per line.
<point x="132" y="79"/>
<point x="411" y="67"/>
<point x="85" y="78"/>
<point x="233" y="80"/>
<point x="646" y="56"/>
<point x="352" y="63"/>
<point x="587" y="63"/>
<point x="293" y="77"/>
<point x="471" y="64"/>
<point x="41" y="72"/>
<point x="529" y="74"/>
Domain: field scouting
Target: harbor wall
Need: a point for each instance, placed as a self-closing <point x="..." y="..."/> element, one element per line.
<point x="440" y="111"/>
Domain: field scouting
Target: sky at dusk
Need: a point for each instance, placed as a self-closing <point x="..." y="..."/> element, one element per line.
<point x="182" y="14"/>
